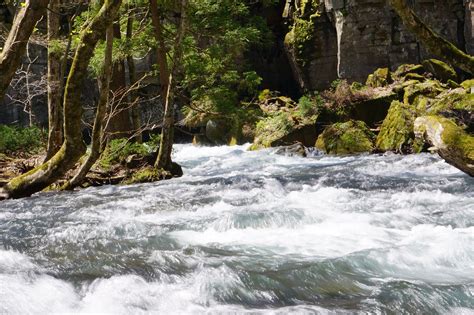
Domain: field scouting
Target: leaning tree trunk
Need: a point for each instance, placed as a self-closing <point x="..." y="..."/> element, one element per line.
<point x="97" y="130"/>
<point x="163" y="160"/>
<point x="15" y="45"/>
<point x="432" y="42"/>
<point x="55" y="135"/>
<point x="73" y="147"/>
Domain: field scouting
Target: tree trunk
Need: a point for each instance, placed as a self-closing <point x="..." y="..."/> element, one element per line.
<point x="55" y="135"/>
<point x="97" y="131"/>
<point x="15" y="45"/>
<point x="433" y="42"/>
<point x="136" y="118"/>
<point x="120" y="124"/>
<point x="73" y="147"/>
<point x="163" y="160"/>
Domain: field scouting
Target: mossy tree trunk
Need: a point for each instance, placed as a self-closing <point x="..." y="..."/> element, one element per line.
<point x="15" y="45"/>
<point x="163" y="160"/>
<point x="432" y="42"/>
<point x="55" y="135"/>
<point x="73" y="146"/>
<point x="97" y="130"/>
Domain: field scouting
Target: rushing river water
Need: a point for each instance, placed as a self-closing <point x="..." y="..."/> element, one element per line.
<point x="251" y="232"/>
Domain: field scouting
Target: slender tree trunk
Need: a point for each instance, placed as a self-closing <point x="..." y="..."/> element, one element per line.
<point x="163" y="160"/>
<point x="97" y="131"/>
<point x="15" y="45"/>
<point x="73" y="147"/>
<point x="136" y="119"/>
<point x="55" y="135"/>
<point x="433" y="42"/>
<point x="120" y="124"/>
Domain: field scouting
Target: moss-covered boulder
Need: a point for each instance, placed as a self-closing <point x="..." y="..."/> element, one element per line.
<point x="286" y="122"/>
<point x="380" y="78"/>
<point x="402" y="71"/>
<point x="396" y="133"/>
<point x="468" y="85"/>
<point x="281" y="129"/>
<point x="451" y="141"/>
<point x="350" y="137"/>
<point x="441" y="70"/>
<point x="429" y="89"/>
<point x="456" y="104"/>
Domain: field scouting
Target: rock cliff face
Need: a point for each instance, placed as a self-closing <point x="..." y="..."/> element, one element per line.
<point x="348" y="39"/>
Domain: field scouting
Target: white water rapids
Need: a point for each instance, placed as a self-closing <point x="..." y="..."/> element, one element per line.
<point x="249" y="232"/>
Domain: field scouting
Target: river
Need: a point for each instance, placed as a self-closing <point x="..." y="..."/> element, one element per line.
<point x="249" y="232"/>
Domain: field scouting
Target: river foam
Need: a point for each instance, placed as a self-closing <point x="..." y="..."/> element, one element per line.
<point x="249" y="232"/>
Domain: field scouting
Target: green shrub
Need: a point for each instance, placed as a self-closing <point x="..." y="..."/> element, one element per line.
<point x="118" y="150"/>
<point x="26" y="140"/>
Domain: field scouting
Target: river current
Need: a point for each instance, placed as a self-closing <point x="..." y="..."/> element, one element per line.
<point x="249" y="232"/>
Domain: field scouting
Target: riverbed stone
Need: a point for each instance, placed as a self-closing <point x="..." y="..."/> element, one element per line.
<point x="350" y="137"/>
<point x="440" y="70"/>
<point x="396" y="133"/>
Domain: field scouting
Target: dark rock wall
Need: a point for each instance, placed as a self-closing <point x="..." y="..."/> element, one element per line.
<point x="372" y="36"/>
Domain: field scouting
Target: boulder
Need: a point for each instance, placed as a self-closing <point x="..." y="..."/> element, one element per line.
<point x="296" y="149"/>
<point x="468" y="85"/>
<point x="457" y="105"/>
<point x="402" y="71"/>
<point x="451" y="141"/>
<point x="441" y="70"/>
<point x="429" y="88"/>
<point x="350" y="137"/>
<point x="396" y="133"/>
<point x="281" y="129"/>
<point x="380" y="78"/>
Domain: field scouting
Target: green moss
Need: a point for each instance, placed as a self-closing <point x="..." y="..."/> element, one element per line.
<point x="456" y="100"/>
<point x="147" y="175"/>
<point x="405" y="69"/>
<point x="440" y="70"/>
<point x="118" y="150"/>
<point x="396" y="133"/>
<point x="430" y="88"/>
<point x="451" y="141"/>
<point x="455" y="137"/>
<point x="414" y="76"/>
<point x="271" y="129"/>
<point x="468" y="85"/>
<point x="346" y="138"/>
<point x="380" y="78"/>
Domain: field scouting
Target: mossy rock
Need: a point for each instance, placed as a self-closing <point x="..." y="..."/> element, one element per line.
<point x="286" y="123"/>
<point x="380" y="78"/>
<point x="457" y="105"/>
<point x="147" y="174"/>
<point x="403" y="70"/>
<point x="456" y="99"/>
<point x="468" y="85"/>
<point x="450" y="141"/>
<point x="396" y="133"/>
<point x="440" y="70"/>
<point x="414" y="76"/>
<point x="374" y="110"/>
<point x="429" y="88"/>
<point x="350" y="137"/>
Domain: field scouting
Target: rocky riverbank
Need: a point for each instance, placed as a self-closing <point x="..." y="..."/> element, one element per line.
<point x="375" y="117"/>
